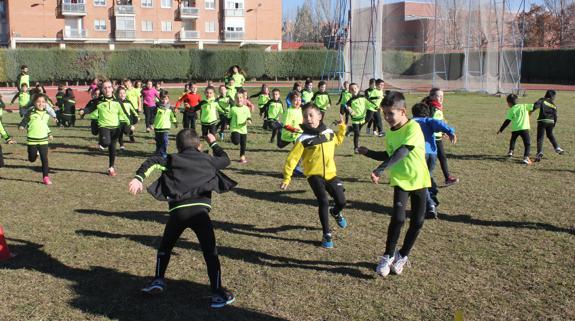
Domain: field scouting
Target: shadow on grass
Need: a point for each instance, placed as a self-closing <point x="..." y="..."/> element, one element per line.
<point x="556" y="170"/>
<point x="21" y="180"/>
<point x="116" y="295"/>
<point x="53" y="169"/>
<point x="250" y="256"/>
<point x="481" y="157"/>
<point x="467" y="219"/>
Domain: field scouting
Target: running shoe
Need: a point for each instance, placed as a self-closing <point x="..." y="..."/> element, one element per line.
<point x="156" y="287"/>
<point x="221" y="298"/>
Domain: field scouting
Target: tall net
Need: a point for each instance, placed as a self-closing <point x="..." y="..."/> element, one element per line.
<point x="471" y="45"/>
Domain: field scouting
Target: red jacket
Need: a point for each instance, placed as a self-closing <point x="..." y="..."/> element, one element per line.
<point x="191" y="99"/>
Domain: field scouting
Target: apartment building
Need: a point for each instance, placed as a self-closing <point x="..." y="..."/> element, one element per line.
<point x="140" y="23"/>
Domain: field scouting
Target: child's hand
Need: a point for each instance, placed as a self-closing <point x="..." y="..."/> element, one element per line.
<point x="135" y="186"/>
<point x="341" y="119"/>
<point x="10" y="141"/>
<point x="50" y="138"/>
<point x="249" y="122"/>
<point x="81" y="112"/>
<point x="284" y="186"/>
<point x="132" y="128"/>
<point x="20" y="128"/>
<point x="453" y="139"/>
<point x="210" y="138"/>
<point x="498" y="132"/>
<point x="374" y="178"/>
<point x="362" y="150"/>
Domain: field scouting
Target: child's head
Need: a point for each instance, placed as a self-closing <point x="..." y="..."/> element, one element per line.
<point x="96" y="92"/>
<point x="164" y="98"/>
<point x="380" y="84"/>
<point x="232" y="82"/>
<point x="322" y="86"/>
<point x="394" y="109"/>
<point x="354" y="89"/>
<point x="311" y="115"/>
<point x="436" y="94"/>
<point x="420" y="110"/>
<point x="236" y="69"/>
<point x="24" y="69"/>
<point x="39" y="101"/>
<point x="276" y="94"/>
<point x="149" y="84"/>
<point x="193" y="88"/>
<point x="296" y="86"/>
<point x="372" y="83"/>
<point x="95" y="81"/>
<point x="210" y="83"/>
<point x="159" y="85"/>
<point x="265" y="89"/>
<point x="121" y="93"/>
<point x="187" y="138"/>
<point x="138" y="84"/>
<point x="550" y="94"/>
<point x="223" y="90"/>
<point x="241" y="97"/>
<point x="512" y="100"/>
<point x="308" y="84"/>
<point x="24" y="87"/>
<point x="346" y="85"/>
<point x="127" y="83"/>
<point x="210" y="92"/>
<point x="69" y="93"/>
<point x="60" y="87"/>
<point x="107" y="89"/>
<point x="296" y="99"/>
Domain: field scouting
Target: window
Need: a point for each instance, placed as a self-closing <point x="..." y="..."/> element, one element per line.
<point x="100" y="25"/>
<point x="234" y="5"/>
<point x="210" y="4"/>
<point x="125" y="23"/>
<point x="166" y="3"/>
<point x="210" y="26"/>
<point x="147" y="3"/>
<point x="100" y="3"/>
<point x="147" y="26"/>
<point x="166" y="26"/>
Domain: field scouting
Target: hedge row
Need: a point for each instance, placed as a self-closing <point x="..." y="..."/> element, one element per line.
<point x="160" y="64"/>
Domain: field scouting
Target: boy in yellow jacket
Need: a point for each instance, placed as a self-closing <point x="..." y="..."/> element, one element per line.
<point x="316" y="148"/>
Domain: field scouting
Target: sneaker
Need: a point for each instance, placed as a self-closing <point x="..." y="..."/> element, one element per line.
<point x="510" y="153"/>
<point x="46" y="180"/>
<point x="156" y="287"/>
<point x="132" y="139"/>
<point x="326" y="242"/>
<point x="341" y="221"/>
<point x="527" y="161"/>
<point x="243" y="160"/>
<point x="356" y="150"/>
<point x="451" y="180"/>
<point x="367" y="131"/>
<point x="148" y="129"/>
<point x="122" y="147"/>
<point x="381" y="134"/>
<point x="375" y="133"/>
<point x="400" y="261"/>
<point x="101" y="147"/>
<point x="112" y="172"/>
<point x="538" y="157"/>
<point x="559" y="150"/>
<point x="222" y="298"/>
<point x="431" y="212"/>
<point x="384" y="266"/>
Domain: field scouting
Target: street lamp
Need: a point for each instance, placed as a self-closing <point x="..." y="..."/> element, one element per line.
<point x="256" y="10"/>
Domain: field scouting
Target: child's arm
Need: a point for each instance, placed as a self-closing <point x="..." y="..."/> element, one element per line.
<point x="291" y="163"/>
<point x="15" y="97"/>
<point x="342" y="127"/>
<point x="440" y="126"/>
<point x="173" y="118"/>
<point x="395" y="158"/>
<point x="24" y="123"/>
<point x="340" y="98"/>
<point x="504" y="125"/>
<point x="379" y="156"/>
<point x="220" y="160"/>
<point x="150" y="165"/>
<point x="5" y="135"/>
<point x="255" y="95"/>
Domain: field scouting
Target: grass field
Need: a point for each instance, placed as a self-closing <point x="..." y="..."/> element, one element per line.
<point x="503" y="248"/>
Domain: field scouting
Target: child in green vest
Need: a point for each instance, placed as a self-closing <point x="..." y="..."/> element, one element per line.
<point x="240" y="118"/>
<point x="4" y="134"/>
<point x="163" y="121"/>
<point x="23" y="96"/>
<point x="518" y="116"/>
<point x="209" y="112"/>
<point x="225" y="104"/>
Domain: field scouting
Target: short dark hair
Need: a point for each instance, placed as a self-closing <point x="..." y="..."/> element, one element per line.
<point x="321" y="83"/>
<point x="512" y="99"/>
<point x="379" y="81"/>
<point x="164" y="94"/>
<point x="23" y="67"/>
<point x="187" y="138"/>
<point x="311" y="106"/>
<point x="394" y="99"/>
<point x="210" y="88"/>
<point x="420" y="110"/>
<point x="308" y="81"/>
<point x="275" y="90"/>
<point x="550" y="94"/>
<point x="372" y="81"/>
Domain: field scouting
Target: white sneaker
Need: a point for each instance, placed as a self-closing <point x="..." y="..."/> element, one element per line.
<point x="527" y="161"/>
<point x="510" y="153"/>
<point x="384" y="266"/>
<point x="559" y="150"/>
<point x="399" y="263"/>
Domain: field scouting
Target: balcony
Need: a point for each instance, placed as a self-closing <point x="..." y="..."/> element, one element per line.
<point x="125" y="35"/>
<point x="189" y="35"/>
<point x="124" y="10"/>
<point x="74" y="34"/>
<point x="188" y="12"/>
<point x="234" y="12"/>
<point x="234" y="35"/>
<point x="73" y="9"/>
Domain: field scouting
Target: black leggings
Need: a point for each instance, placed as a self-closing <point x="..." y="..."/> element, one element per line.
<point x="418" y="198"/>
<point x="526" y="141"/>
<point x="190" y="119"/>
<point x="124" y="130"/>
<point x="149" y="114"/>
<point x="108" y="138"/>
<point x="94" y="127"/>
<point x="209" y="129"/>
<point x="282" y="143"/>
<point x="376" y="122"/>
<point x="1" y="158"/>
<point x="241" y="139"/>
<point x="196" y="218"/>
<point x="356" y="132"/>
<point x="224" y="121"/>
<point x="442" y="158"/>
<point x="276" y="129"/>
<point x="335" y="189"/>
<point x="33" y="151"/>
<point x="542" y="129"/>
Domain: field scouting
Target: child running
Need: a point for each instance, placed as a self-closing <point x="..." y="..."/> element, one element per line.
<point x="408" y="175"/>
<point x="188" y="179"/>
<point x="546" y="123"/>
<point x="274" y="108"/>
<point x="225" y="104"/>
<point x="163" y="121"/>
<point x="307" y="92"/>
<point x="344" y="96"/>
<point x="126" y="128"/>
<point x="296" y="88"/>
<point x="191" y="100"/>
<point x="240" y="118"/>
<point x="292" y="119"/>
<point x="376" y="96"/>
<point x="68" y="115"/>
<point x="518" y="116"/>
<point x="429" y="127"/>
<point x="263" y="97"/>
<point x="4" y="134"/>
<point x="36" y="121"/>
<point x="238" y="76"/>
<point x="209" y="112"/>
<point x="149" y="96"/>
<point x="316" y="148"/>
<point x="321" y="98"/>
<point x="357" y="108"/>
<point x="23" y="96"/>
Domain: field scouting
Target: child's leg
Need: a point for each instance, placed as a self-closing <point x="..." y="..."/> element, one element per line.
<point x="165" y="142"/>
<point x="431" y="192"/>
<point x="212" y="129"/>
<point x="105" y="137"/>
<point x="43" y="149"/>
<point x="114" y="133"/>
<point x="514" y="136"/>
<point x="377" y="124"/>
<point x="282" y="143"/>
<point x="526" y="142"/>
<point x="201" y="224"/>
<point x="205" y="130"/>
<point x="442" y="158"/>
<point x="317" y="184"/>
<point x="159" y="140"/>
<point x="174" y="228"/>
<point x="32" y="153"/>
<point x="540" y="137"/>
<point x="336" y="191"/>
<point x="549" y="130"/>
<point x="193" y="118"/>
<point x="275" y="130"/>
<point x="1" y="158"/>
<point x="243" y="143"/>
<point x="121" y="134"/>
<point x="356" y="131"/>
<point x="148" y="116"/>
<point x="235" y="138"/>
<point x="416" y="220"/>
<point x="186" y="119"/>
<point x="368" y="118"/>
<point x="397" y="220"/>
<point x="94" y="127"/>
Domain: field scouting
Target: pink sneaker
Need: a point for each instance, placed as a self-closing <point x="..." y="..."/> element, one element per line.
<point x="451" y="180"/>
<point x="46" y="180"/>
<point x="112" y="172"/>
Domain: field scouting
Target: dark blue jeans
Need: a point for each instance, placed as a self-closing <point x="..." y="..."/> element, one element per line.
<point x="432" y="191"/>
<point x="162" y="139"/>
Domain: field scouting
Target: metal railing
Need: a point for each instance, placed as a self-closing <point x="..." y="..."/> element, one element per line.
<point x="234" y="12"/>
<point x="73" y="8"/>
<point x="124" y="10"/>
<point x="189" y="12"/>
<point x="189" y="35"/>
<point x="125" y="34"/>
<point x="234" y="35"/>
<point x="75" y="33"/>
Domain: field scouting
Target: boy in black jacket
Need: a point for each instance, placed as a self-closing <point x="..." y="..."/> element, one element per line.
<point x="187" y="181"/>
<point x="546" y="123"/>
